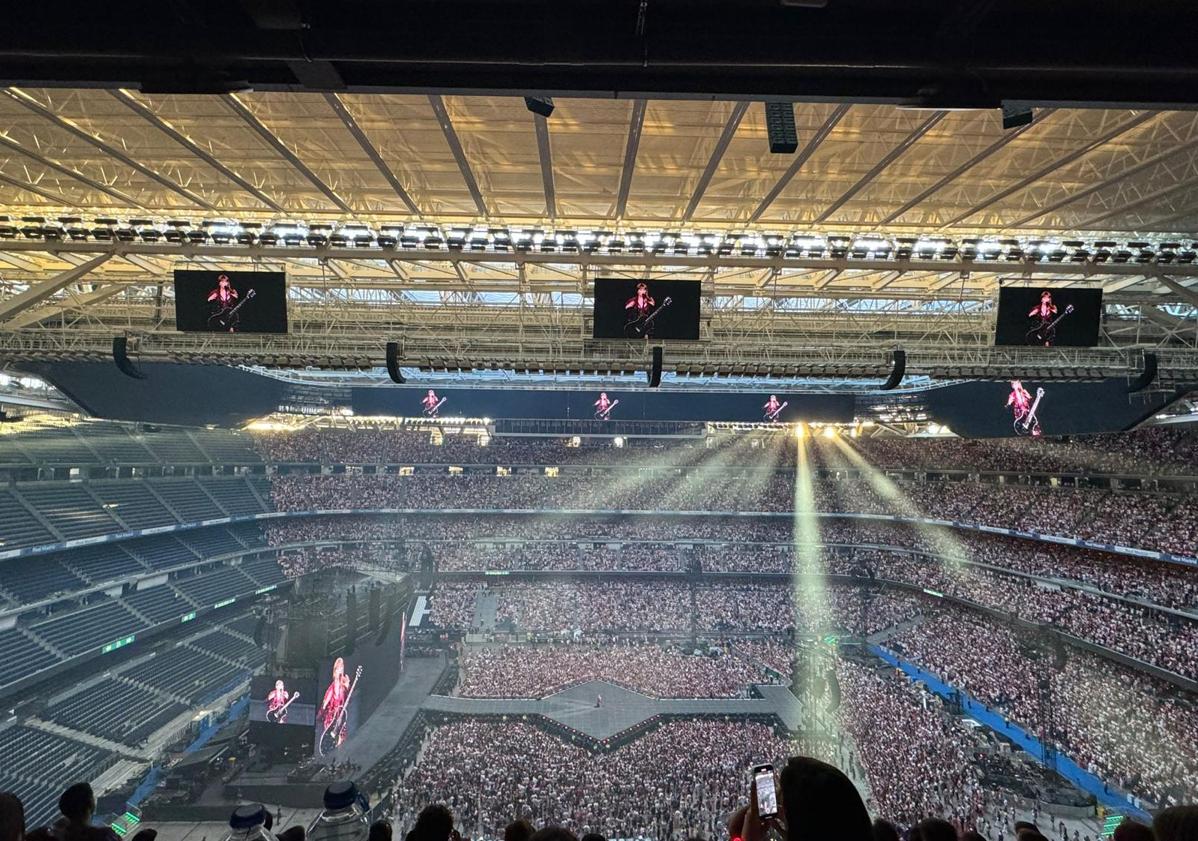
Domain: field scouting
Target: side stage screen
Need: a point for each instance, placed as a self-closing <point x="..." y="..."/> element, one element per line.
<point x="282" y="710"/>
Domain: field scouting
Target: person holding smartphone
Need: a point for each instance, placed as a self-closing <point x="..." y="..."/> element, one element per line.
<point x="810" y="801"/>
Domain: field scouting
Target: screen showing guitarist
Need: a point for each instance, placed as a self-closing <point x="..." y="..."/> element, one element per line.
<point x="641" y="304"/>
<point x="642" y="311"/>
<point x="224" y="300"/>
<point x="773" y="408"/>
<point x="603" y="406"/>
<point x="277" y="701"/>
<point x="333" y="707"/>
<point x="1020" y="402"/>
<point x="1043" y="313"/>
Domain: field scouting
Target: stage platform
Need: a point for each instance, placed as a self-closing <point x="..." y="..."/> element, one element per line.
<point x="622" y="708"/>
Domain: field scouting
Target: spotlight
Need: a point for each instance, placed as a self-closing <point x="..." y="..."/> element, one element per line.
<point x="541" y="105"/>
<point x="1014" y="116"/>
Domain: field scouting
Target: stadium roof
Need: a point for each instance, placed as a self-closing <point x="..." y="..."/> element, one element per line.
<point x="889" y="227"/>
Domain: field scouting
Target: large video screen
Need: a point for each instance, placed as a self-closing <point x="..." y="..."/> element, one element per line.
<point x="352" y="686"/>
<point x="1042" y="317"/>
<point x="282" y="711"/>
<point x="646" y="309"/>
<point x="230" y="302"/>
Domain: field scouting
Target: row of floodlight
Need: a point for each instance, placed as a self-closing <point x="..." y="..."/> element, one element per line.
<point x="518" y="239"/>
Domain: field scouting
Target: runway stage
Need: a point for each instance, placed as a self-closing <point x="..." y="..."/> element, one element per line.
<point x="622" y="708"/>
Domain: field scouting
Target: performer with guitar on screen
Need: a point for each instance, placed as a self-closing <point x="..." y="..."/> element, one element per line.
<point x="334" y="709"/>
<point x="1044" y="331"/>
<point x="773" y="408"/>
<point x="432" y="404"/>
<point x="1020" y="401"/>
<point x="277" y="702"/>
<point x="642" y="310"/>
<point x="604" y="405"/>
<point x="226" y="312"/>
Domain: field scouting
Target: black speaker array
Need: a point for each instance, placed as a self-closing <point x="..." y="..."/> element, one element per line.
<point x="1147" y="376"/>
<point x="780" y="127"/>
<point x="393" y="363"/>
<point x="655" y="371"/>
<point x="898" y="361"/>
<point x="120" y="355"/>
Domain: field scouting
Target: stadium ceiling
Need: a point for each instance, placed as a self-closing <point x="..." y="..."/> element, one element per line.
<point x="889" y="227"/>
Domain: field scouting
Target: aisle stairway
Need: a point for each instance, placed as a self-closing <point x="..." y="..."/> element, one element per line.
<point x="486" y="605"/>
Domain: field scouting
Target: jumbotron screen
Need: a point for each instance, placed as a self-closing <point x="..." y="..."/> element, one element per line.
<point x="230" y="302"/>
<point x="646" y="309"/>
<point x="1033" y="316"/>
<point x="351" y="688"/>
<point x="282" y="710"/>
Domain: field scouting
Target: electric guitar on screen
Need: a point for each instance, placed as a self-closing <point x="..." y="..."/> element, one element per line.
<point x="279" y="716"/>
<point x="227" y="318"/>
<point x="432" y="411"/>
<point x="330" y="738"/>
<point x="1046" y="331"/>
<point x="640" y="327"/>
<point x="772" y="416"/>
<point x="1029" y="424"/>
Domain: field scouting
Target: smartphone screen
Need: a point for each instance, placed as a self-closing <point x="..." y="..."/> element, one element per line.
<point x="767" y="795"/>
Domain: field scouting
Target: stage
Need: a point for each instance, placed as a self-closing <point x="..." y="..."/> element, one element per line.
<point x="622" y="708"/>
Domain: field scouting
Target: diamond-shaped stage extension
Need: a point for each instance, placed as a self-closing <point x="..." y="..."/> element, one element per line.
<point x="622" y="708"/>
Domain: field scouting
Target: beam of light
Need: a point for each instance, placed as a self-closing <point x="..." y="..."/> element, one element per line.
<point x="808" y="585"/>
<point x="951" y="550"/>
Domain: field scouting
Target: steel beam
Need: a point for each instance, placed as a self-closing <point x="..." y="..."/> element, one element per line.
<point x="1190" y="296"/>
<point x="997" y="145"/>
<point x="22" y="301"/>
<point x="79" y="302"/>
<point x="11" y="144"/>
<point x="1033" y="177"/>
<point x="1106" y="182"/>
<point x="878" y="168"/>
<point x="133" y="104"/>
<point x="791" y="171"/>
<point x="635" y="124"/>
<point x="355" y="130"/>
<point x="1155" y="195"/>
<point x="28" y="102"/>
<point x="459" y="154"/>
<point x="545" y="153"/>
<point x="37" y="191"/>
<point x="717" y="154"/>
<point x="279" y="146"/>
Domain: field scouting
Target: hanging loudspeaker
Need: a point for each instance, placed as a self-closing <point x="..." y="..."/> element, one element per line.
<point x="393" y="363"/>
<point x="120" y="355"/>
<point x="1147" y="377"/>
<point x="898" y="359"/>
<point x="655" y="373"/>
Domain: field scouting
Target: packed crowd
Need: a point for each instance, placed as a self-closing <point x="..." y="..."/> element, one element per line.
<point x="1162" y="450"/>
<point x="679" y="781"/>
<point x="731" y="544"/>
<point x="898" y="727"/>
<point x="1155" y="450"/>
<point x="657" y="607"/>
<point x="1119" y="723"/>
<point x="1157" y="521"/>
<point x="511" y="671"/>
